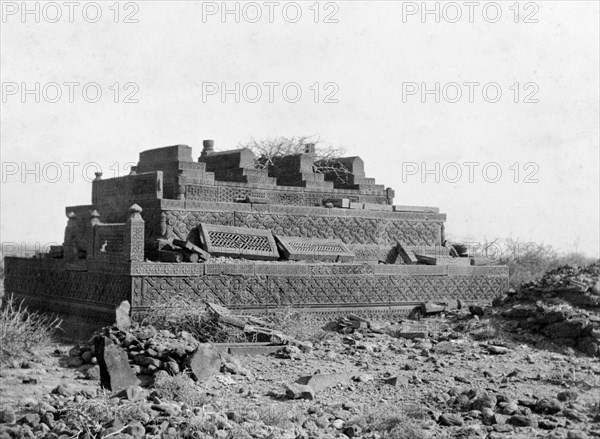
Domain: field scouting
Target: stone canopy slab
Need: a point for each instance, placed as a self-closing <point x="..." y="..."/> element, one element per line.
<point x="238" y="242"/>
<point x="310" y="249"/>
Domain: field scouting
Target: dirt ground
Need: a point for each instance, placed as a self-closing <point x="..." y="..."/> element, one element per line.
<point x="432" y="373"/>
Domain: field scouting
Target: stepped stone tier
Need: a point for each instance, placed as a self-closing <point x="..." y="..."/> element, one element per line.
<point x="283" y="236"/>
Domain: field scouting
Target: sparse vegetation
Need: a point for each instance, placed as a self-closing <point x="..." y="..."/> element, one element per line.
<point x="394" y="423"/>
<point x="180" y="388"/>
<point x="21" y="330"/>
<point x="268" y="150"/>
<point x="528" y="261"/>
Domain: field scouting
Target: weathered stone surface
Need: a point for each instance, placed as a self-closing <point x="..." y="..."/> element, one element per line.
<point x="205" y="362"/>
<point x="115" y="372"/>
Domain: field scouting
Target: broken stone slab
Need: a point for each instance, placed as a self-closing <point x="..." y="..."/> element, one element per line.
<point x="249" y="349"/>
<point x="401" y="381"/>
<point x="191" y="247"/>
<point x="239" y="242"/>
<point x="378" y="207"/>
<point x="115" y="372"/>
<point x="406" y="254"/>
<point x="424" y="209"/>
<point x="256" y="199"/>
<point x="343" y="203"/>
<point x="429" y="259"/>
<point x="170" y="256"/>
<point x="311" y="249"/>
<point x="299" y="391"/>
<point x="322" y="381"/>
<point x="205" y="362"/>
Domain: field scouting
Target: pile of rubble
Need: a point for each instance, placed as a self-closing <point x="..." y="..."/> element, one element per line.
<point x="563" y="306"/>
<point x="154" y="353"/>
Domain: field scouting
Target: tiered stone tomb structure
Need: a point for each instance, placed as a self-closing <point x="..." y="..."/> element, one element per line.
<point x="283" y="236"/>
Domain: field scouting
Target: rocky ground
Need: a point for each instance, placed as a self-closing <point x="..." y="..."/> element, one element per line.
<point x="524" y="368"/>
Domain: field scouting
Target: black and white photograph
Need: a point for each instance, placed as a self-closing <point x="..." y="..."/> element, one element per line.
<point x="299" y="219"/>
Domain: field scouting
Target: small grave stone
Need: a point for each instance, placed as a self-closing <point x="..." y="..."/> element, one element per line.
<point x="205" y="362"/>
<point x="115" y="372"/>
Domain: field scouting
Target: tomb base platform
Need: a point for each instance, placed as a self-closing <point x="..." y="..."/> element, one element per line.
<point x="90" y="291"/>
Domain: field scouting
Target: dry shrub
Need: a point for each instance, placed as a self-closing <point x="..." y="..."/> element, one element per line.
<point x="21" y="329"/>
<point x="299" y="325"/>
<point x="181" y="313"/>
<point x="485" y="332"/>
<point x="180" y="388"/>
<point x="274" y="415"/>
<point x="92" y="415"/>
<point x="392" y="422"/>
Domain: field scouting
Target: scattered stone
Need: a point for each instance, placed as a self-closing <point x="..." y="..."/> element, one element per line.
<point x="497" y="350"/>
<point x="548" y="406"/>
<point x="299" y="391"/>
<point x="451" y="419"/>
<point x="521" y="421"/>
<point x="63" y="390"/>
<point x="476" y="310"/>
<point x="577" y="434"/>
<point x="321" y="381"/>
<point x="397" y="381"/>
<point x="568" y="395"/>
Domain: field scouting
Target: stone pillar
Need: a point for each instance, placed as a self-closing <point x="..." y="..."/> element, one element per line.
<point x="133" y="247"/>
<point x="70" y="242"/>
<point x="94" y="189"/>
<point x="94" y="220"/>
<point x="390" y="194"/>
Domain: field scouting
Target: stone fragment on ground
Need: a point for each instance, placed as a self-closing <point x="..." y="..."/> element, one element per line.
<point x="205" y="362"/>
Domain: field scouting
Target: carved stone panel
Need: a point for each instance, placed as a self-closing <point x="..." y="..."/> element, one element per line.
<point x="239" y="242"/>
<point x="304" y="249"/>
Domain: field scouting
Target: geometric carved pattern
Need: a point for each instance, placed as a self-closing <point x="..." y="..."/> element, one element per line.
<point x="357" y="230"/>
<point x="273" y="291"/>
<point x="239" y="241"/>
<point x="48" y="284"/>
<point x="52" y="288"/>
<point x="223" y="192"/>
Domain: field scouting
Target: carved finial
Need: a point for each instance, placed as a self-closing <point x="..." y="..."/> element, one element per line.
<point x="95" y="214"/>
<point x="134" y="208"/>
<point x="71" y="215"/>
<point x="207" y="147"/>
<point x="98" y="176"/>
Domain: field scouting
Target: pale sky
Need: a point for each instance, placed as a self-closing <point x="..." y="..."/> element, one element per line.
<point x="173" y="56"/>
